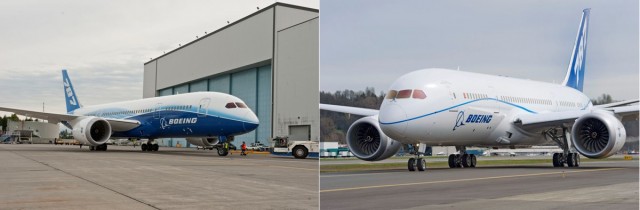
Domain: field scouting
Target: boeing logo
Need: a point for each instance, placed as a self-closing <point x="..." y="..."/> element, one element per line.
<point x="178" y="121"/>
<point x="479" y="118"/>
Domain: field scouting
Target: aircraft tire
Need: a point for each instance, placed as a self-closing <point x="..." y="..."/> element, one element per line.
<point x="411" y="164"/>
<point x="465" y="160"/>
<point x="576" y="160"/>
<point x="422" y="164"/>
<point x="458" y="161"/>
<point x="155" y="147"/>
<point x="222" y="152"/>
<point x="143" y="147"/>
<point x="473" y="161"/>
<point x="570" y="160"/>
<point x="555" y="160"/>
<point x="452" y="161"/>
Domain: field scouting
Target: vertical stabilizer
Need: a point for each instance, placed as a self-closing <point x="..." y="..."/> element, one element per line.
<point x="575" y="72"/>
<point x="70" y="93"/>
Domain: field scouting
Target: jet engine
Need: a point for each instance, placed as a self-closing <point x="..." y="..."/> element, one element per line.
<point x="91" y="130"/>
<point x="598" y="134"/>
<point x="367" y="142"/>
<point x="203" y="142"/>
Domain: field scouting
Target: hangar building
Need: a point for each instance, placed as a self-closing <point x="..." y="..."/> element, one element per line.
<point x="269" y="59"/>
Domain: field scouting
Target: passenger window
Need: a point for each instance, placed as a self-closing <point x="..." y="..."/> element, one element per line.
<point x="241" y="105"/>
<point x="419" y="94"/>
<point x="404" y="94"/>
<point x="391" y="94"/>
<point x="230" y="105"/>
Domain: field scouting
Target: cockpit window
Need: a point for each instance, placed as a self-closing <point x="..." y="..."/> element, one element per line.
<point x="230" y="105"/>
<point x="241" y="105"/>
<point x="404" y="94"/>
<point x="391" y="94"/>
<point x="419" y="94"/>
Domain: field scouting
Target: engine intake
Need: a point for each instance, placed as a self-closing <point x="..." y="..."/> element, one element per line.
<point x="598" y="135"/>
<point x="367" y="141"/>
<point x="203" y="142"/>
<point x="91" y="130"/>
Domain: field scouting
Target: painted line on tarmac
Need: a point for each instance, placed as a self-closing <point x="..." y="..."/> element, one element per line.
<point x="360" y="174"/>
<point x="462" y="180"/>
<point x="308" y="169"/>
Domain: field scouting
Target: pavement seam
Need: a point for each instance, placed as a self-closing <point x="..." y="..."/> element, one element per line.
<point x="460" y="180"/>
<point x="92" y="182"/>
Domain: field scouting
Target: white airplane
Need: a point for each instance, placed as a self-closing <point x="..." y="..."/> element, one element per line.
<point x="440" y="107"/>
<point x="203" y="118"/>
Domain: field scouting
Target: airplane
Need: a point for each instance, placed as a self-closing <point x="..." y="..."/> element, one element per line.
<point x="442" y="107"/>
<point x="203" y="118"/>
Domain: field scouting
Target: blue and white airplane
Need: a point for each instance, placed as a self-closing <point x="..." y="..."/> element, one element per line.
<point x="440" y="107"/>
<point x="203" y="118"/>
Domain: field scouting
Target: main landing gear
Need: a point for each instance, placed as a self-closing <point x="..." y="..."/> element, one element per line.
<point x="102" y="147"/>
<point x="571" y="159"/>
<point x="417" y="162"/>
<point x="149" y="146"/>
<point x="462" y="160"/>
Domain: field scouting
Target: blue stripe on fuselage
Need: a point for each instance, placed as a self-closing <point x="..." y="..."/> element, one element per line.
<point x="462" y="104"/>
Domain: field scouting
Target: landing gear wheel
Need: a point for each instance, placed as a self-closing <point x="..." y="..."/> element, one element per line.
<point x="144" y="147"/>
<point x="102" y="147"/>
<point x="422" y="164"/>
<point x="473" y="160"/>
<point x="411" y="164"/>
<point x="223" y="152"/>
<point x="556" y="161"/>
<point x="155" y="147"/>
<point x="452" y="161"/>
<point x="570" y="160"/>
<point x="576" y="159"/>
<point x="300" y="152"/>
<point x="465" y="160"/>
<point x="458" y="161"/>
<point x="92" y="148"/>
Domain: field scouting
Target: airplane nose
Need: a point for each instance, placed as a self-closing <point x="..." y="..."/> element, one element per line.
<point x="252" y="121"/>
<point x="393" y="121"/>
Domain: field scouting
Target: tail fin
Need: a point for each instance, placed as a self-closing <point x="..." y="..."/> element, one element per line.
<point x="70" y="93"/>
<point x="575" y="73"/>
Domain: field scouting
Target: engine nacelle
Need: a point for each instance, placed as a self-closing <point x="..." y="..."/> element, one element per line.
<point x="91" y="130"/>
<point x="598" y="134"/>
<point x="203" y="142"/>
<point x="367" y="141"/>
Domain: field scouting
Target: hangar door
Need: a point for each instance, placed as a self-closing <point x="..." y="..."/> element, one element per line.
<point x="300" y="132"/>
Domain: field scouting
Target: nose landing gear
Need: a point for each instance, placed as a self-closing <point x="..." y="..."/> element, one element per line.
<point x="417" y="162"/>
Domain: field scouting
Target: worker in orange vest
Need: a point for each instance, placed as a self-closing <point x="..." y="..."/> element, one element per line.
<point x="244" y="149"/>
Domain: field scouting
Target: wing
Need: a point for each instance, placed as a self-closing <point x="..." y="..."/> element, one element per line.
<point x="116" y="124"/>
<point x="553" y="119"/>
<point x="349" y="110"/>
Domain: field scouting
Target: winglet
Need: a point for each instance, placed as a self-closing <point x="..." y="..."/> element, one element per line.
<point x="70" y="93"/>
<point x="575" y="72"/>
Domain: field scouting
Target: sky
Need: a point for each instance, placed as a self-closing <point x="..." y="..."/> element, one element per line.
<point x="103" y="44"/>
<point x="370" y="43"/>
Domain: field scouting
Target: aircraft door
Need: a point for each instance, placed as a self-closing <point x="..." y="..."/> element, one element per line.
<point x="203" y="107"/>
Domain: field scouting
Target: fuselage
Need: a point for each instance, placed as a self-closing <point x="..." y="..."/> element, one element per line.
<point x="199" y="114"/>
<point x="448" y="107"/>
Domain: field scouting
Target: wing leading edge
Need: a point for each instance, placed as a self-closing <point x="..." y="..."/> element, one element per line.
<point x="116" y="124"/>
<point x="349" y="110"/>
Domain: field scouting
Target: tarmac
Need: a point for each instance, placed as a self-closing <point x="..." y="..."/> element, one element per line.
<point x="593" y="185"/>
<point x="67" y="177"/>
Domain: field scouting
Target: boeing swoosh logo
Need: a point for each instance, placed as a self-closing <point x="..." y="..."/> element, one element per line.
<point x="459" y="120"/>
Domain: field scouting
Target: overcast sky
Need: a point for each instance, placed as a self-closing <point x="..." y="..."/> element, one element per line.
<point x="369" y="43"/>
<point x="103" y="44"/>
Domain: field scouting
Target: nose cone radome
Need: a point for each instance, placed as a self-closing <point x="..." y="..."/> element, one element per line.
<point x="393" y="120"/>
<point x="252" y="121"/>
